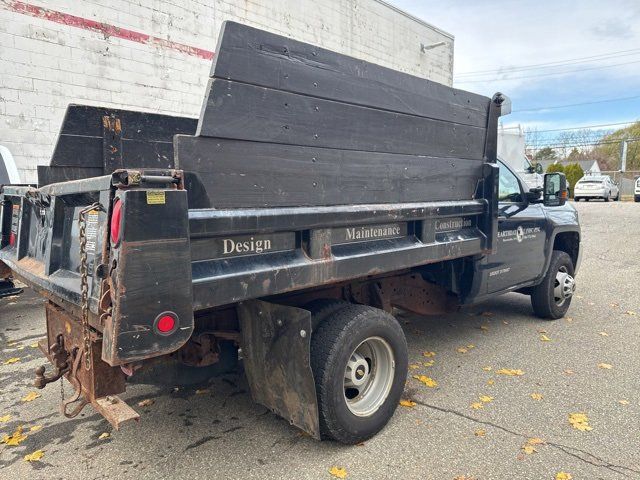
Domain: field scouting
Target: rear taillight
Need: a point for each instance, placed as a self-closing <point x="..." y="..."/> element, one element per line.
<point x="166" y="323"/>
<point x="116" y="221"/>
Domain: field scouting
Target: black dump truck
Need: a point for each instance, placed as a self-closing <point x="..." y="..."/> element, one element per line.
<point x="315" y="194"/>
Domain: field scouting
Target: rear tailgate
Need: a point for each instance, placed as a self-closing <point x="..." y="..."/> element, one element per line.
<point x="134" y="279"/>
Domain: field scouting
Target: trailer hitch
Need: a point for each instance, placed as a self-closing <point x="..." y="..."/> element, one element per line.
<point x="59" y="358"/>
<point x="64" y="362"/>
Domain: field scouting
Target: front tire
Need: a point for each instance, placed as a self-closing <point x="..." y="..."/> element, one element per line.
<point x="359" y="360"/>
<point x="552" y="297"/>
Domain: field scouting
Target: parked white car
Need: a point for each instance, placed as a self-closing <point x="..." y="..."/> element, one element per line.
<point x="596" y="186"/>
<point x="8" y="170"/>
<point x="636" y="190"/>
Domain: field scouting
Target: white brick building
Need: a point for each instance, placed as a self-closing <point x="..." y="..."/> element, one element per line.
<point x="155" y="55"/>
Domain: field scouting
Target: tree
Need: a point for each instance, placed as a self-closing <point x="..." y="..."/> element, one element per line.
<point x="607" y="152"/>
<point x="555" y="167"/>
<point x="573" y="172"/>
<point x="546" y="153"/>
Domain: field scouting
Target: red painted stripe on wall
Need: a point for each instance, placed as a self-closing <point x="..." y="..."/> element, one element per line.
<point x="106" y="29"/>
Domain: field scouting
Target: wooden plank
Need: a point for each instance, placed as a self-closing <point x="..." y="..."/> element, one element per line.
<point x="49" y="175"/>
<point x="246" y="54"/>
<point x="87" y="121"/>
<point x="224" y="173"/>
<point x="246" y="112"/>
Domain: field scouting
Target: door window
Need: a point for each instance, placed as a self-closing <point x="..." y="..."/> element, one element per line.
<point x="509" y="186"/>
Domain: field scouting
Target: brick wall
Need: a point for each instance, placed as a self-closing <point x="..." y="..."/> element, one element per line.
<point x="155" y="55"/>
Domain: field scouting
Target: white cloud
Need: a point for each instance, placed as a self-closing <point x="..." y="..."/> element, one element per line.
<point x="515" y="33"/>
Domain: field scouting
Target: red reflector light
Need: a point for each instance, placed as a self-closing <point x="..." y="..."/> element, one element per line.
<point x="116" y="220"/>
<point x="166" y="323"/>
<point x="12" y="239"/>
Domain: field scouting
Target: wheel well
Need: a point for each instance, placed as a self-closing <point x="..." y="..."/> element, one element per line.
<point x="568" y="242"/>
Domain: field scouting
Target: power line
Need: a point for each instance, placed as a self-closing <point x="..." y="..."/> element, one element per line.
<point x="579" y="128"/>
<point x="572" y="145"/>
<point x="551" y="64"/>
<point x="555" y="107"/>
<point x="548" y="74"/>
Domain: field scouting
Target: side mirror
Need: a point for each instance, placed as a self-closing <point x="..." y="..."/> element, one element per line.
<point x="539" y="169"/>
<point x="555" y="189"/>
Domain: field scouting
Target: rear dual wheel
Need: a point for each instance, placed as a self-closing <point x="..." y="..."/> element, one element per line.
<point x="359" y="360"/>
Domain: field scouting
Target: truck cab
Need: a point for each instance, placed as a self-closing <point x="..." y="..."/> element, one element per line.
<point x="534" y="240"/>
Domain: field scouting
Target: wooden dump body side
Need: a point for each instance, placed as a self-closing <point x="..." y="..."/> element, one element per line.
<point x="285" y="123"/>
<point x="95" y="141"/>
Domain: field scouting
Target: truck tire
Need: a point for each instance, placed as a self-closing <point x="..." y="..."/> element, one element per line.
<point x="359" y="360"/>
<point x="322" y="308"/>
<point x="551" y="298"/>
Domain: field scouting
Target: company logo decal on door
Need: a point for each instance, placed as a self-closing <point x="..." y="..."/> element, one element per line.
<point x="519" y="234"/>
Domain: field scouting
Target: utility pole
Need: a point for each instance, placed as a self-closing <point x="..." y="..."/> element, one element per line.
<point x="623" y="156"/>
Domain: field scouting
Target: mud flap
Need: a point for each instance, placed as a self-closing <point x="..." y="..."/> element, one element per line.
<point x="276" y="344"/>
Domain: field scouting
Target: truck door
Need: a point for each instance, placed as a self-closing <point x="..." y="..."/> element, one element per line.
<point x="521" y="236"/>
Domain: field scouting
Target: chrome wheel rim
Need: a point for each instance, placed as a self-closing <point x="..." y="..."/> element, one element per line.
<point x="564" y="286"/>
<point x="368" y="376"/>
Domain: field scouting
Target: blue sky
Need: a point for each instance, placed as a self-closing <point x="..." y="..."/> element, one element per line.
<point x="506" y="34"/>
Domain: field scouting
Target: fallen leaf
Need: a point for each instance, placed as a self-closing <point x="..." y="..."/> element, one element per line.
<point x="605" y="366"/>
<point x="470" y="346"/>
<point x="528" y="449"/>
<point x="604" y="334"/>
<point x="544" y="338"/>
<point x="569" y="372"/>
<point x="14" y="439"/>
<point x="485" y="398"/>
<point x="35" y="428"/>
<point x="30" y="397"/>
<point x="484" y="328"/>
<point x="34" y="457"/>
<point x="202" y="391"/>
<point x="407" y="403"/>
<point x="623" y="402"/>
<point x="414" y="366"/>
<point x="480" y="433"/>
<point x="569" y="319"/>
<point x="491" y="381"/>
<point x="535" y="441"/>
<point x="34" y="345"/>
<point x="428" y="354"/>
<point x="429" y="363"/>
<point x="510" y="372"/>
<point x="11" y="360"/>
<point x="104" y="435"/>
<point x="338" y="472"/>
<point x="146" y="402"/>
<point x="630" y="312"/>
<point x="5" y="418"/>
<point x="477" y="405"/>
<point x="429" y="382"/>
<point x="563" y="476"/>
<point x="536" y="396"/>
<point x="486" y="369"/>
<point x="462" y="350"/>
<point x="579" y="421"/>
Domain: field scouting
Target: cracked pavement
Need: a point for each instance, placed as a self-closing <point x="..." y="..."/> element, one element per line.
<point x="221" y="433"/>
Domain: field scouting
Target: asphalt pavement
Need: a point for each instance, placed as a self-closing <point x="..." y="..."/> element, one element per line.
<point x="476" y="423"/>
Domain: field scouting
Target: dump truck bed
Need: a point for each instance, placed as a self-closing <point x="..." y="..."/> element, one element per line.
<point x="305" y="168"/>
